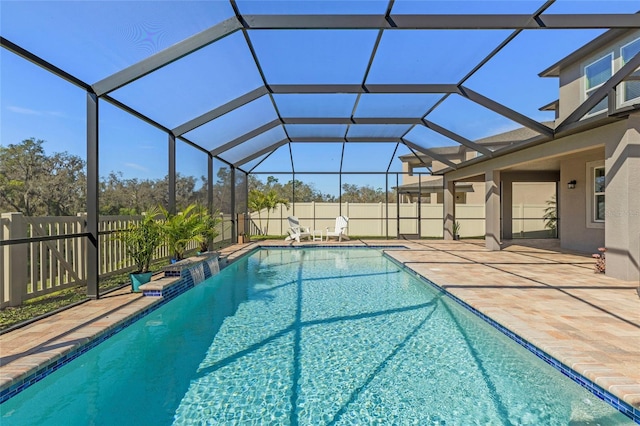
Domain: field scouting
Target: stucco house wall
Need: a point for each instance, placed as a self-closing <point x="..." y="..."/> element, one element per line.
<point x="572" y="78"/>
<point x="574" y="233"/>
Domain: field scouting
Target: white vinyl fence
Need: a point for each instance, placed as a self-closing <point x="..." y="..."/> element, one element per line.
<point x="376" y="220"/>
<point x="34" y="269"/>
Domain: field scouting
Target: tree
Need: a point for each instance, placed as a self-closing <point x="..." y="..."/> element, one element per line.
<point x="259" y="201"/>
<point x="36" y="184"/>
<point x="362" y="194"/>
<point x="271" y="200"/>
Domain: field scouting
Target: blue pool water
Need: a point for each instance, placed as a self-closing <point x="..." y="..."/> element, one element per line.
<point x="309" y="337"/>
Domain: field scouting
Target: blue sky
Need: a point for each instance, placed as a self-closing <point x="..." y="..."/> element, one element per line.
<point x="92" y="40"/>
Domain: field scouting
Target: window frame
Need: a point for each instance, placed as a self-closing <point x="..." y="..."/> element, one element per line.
<point x="587" y="90"/>
<point x="591" y="194"/>
<point x="622" y="92"/>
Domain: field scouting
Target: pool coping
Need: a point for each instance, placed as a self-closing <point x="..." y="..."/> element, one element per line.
<point x="38" y="372"/>
<point x="167" y="289"/>
<point x="622" y="406"/>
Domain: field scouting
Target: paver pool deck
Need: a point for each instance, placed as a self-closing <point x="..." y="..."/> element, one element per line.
<point x="548" y="296"/>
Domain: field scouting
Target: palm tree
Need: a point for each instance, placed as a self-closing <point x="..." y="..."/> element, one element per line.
<point x="550" y="215"/>
<point x="272" y="200"/>
<point x="259" y="201"/>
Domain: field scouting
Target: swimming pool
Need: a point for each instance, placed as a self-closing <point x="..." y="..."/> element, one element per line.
<point x="309" y="336"/>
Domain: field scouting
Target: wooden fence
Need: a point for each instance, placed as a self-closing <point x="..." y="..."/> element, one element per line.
<point x="34" y="269"/>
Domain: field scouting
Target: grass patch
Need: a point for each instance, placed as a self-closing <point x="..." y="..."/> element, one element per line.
<point x="42" y="305"/>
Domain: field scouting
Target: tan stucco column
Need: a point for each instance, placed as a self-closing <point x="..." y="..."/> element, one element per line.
<point x="492" y="210"/>
<point x="449" y="207"/>
<point x="622" y="201"/>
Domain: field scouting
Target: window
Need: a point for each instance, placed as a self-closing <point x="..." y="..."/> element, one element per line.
<point x="598" y="194"/>
<point x="595" y="194"/>
<point x="631" y="88"/>
<point x="596" y="74"/>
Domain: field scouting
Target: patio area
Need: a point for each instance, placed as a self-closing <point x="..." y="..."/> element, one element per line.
<point x="550" y="297"/>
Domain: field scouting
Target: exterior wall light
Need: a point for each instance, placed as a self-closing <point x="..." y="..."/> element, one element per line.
<point x="571" y="184"/>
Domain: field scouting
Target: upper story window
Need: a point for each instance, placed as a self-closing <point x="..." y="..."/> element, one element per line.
<point x="596" y="74"/>
<point x="631" y="89"/>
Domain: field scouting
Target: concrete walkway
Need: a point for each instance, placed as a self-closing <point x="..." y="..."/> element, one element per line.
<point x="550" y="297"/>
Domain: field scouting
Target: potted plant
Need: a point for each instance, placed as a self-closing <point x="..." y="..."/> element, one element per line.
<point x="209" y="228"/>
<point x="180" y="229"/>
<point x="456" y="230"/>
<point x="141" y="241"/>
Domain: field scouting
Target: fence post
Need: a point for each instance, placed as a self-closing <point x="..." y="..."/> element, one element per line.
<point x="15" y="260"/>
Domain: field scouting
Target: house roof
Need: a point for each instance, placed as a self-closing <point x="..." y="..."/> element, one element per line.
<point x="521" y="134"/>
<point x="430" y="187"/>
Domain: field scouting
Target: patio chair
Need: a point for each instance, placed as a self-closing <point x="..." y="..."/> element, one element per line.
<point x="340" y="229"/>
<point x="296" y="231"/>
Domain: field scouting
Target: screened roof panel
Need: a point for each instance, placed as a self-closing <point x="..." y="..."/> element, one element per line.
<point x="279" y="160"/>
<point x="364" y="157"/>
<point x="431" y="56"/>
<point x="317" y="157"/>
<point x="194" y="85"/>
<point x="478" y="122"/>
<point x="234" y="124"/>
<point x="249" y="165"/>
<point x="377" y="130"/>
<point x="528" y="54"/>
<point x="313" y="56"/>
<point x="65" y="32"/>
<point x="396" y="163"/>
<point x="464" y="7"/>
<point x="395" y="104"/>
<point x="94" y="40"/>
<point x="253" y="145"/>
<point x="427" y="138"/>
<point x="324" y="7"/>
<point x="315" y="105"/>
<point x="609" y="6"/>
<point x="316" y="130"/>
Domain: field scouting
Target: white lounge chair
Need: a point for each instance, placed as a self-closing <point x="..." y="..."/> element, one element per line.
<point x="340" y="230"/>
<point x="296" y="231"/>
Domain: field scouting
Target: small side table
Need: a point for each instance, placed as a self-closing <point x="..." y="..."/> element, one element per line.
<point x="317" y="235"/>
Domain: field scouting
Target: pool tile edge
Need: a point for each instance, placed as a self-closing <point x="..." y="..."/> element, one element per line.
<point x="16" y="384"/>
<point x="619" y="403"/>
